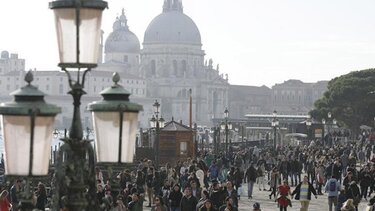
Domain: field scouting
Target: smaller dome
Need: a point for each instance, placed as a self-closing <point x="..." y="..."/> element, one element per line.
<point x="122" y="40"/>
<point x="5" y="55"/>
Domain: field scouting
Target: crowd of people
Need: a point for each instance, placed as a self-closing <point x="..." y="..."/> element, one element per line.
<point x="343" y="172"/>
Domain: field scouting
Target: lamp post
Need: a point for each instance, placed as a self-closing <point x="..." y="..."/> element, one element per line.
<point x="157" y="123"/>
<point x="226" y="126"/>
<point x="275" y="124"/>
<point x="308" y="125"/>
<point x="115" y="117"/>
<point x="329" y="115"/>
<point x="324" y="131"/>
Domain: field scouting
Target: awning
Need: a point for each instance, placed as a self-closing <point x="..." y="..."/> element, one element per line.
<point x="302" y="135"/>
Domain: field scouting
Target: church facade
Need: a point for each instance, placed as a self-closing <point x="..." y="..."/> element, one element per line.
<point x="172" y="62"/>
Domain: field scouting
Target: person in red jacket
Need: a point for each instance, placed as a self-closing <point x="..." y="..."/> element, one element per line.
<point x="4" y="202"/>
<point x="283" y="191"/>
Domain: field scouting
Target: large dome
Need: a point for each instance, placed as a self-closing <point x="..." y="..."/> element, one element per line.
<point x="122" y="40"/>
<point x="172" y="27"/>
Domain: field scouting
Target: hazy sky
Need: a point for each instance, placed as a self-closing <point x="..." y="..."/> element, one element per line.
<point x="257" y="42"/>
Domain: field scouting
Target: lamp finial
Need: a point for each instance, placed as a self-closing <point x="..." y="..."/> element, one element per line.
<point x="29" y="77"/>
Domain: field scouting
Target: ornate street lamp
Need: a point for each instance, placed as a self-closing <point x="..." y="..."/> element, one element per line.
<point x="115" y="113"/>
<point x="157" y="123"/>
<point x="27" y="125"/>
<point x="115" y="118"/>
<point x="78" y="27"/>
<point x="226" y="126"/>
<point x="308" y="125"/>
<point x="275" y="124"/>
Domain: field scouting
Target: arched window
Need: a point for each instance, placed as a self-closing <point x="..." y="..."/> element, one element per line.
<point x="183" y="68"/>
<point x="153" y="67"/>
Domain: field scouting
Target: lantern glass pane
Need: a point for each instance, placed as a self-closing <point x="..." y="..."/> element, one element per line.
<point x="129" y="131"/>
<point x="222" y="126"/>
<point x="161" y="124"/>
<point x="90" y="21"/>
<point x="107" y="127"/>
<point x="42" y="144"/>
<point x="153" y="122"/>
<point x="16" y="133"/>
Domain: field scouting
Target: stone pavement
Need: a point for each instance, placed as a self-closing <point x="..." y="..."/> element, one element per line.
<point x="266" y="204"/>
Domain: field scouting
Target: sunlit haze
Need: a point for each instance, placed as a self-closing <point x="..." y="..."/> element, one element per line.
<point x="257" y="42"/>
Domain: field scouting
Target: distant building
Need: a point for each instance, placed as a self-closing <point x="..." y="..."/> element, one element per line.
<point x="10" y="63"/>
<point x="249" y="99"/>
<point x="170" y="64"/>
<point x="296" y="97"/>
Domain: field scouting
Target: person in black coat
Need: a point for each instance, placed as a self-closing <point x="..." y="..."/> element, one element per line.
<point x="216" y="194"/>
<point x="188" y="201"/>
<point x="354" y="193"/>
<point x="229" y="191"/>
<point x="41" y="199"/>
<point x="250" y="178"/>
<point x="175" y="198"/>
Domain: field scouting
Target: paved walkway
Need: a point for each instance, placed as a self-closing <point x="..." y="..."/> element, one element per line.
<point x="266" y="204"/>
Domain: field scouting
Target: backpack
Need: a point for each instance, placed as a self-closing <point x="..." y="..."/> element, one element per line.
<point x="332" y="185"/>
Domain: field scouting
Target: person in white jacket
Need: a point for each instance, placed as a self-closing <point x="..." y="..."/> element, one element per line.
<point x="200" y="175"/>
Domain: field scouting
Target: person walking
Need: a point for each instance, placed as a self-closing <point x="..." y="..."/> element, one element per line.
<point x="188" y="201"/>
<point x="303" y="193"/>
<point x="283" y="191"/>
<point x="208" y="206"/>
<point x="354" y="193"/>
<point x="159" y="204"/>
<point x="4" y="202"/>
<point x="274" y="181"/>
<point x="250" y="178"/>
<point x="332" y="188"/>
<point x="260" y="177"/>
<point x="41" y="195"/>
<point x="175" y="198"/>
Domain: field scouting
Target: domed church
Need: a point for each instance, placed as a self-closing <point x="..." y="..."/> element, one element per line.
<point x="171" y="62"/>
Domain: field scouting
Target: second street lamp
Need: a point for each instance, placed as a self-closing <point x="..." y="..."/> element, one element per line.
<point x="157" y="123"/>
<point x="308" y="125"/>
<point x="275" y="124"/>
<point x="226" y="126"/>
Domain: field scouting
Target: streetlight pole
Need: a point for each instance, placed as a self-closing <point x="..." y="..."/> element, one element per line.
<point x="275" y="124"/>
<point x="329" y="115"/>
<point x="308" y="125"/>
<point x="226" y="126"/>
<point x="157" y="123"/>
<point x="323" y="132"/>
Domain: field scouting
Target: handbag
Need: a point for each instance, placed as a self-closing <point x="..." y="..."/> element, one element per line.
<point x="356" y="199"/>
<point x="239" y="191"/>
